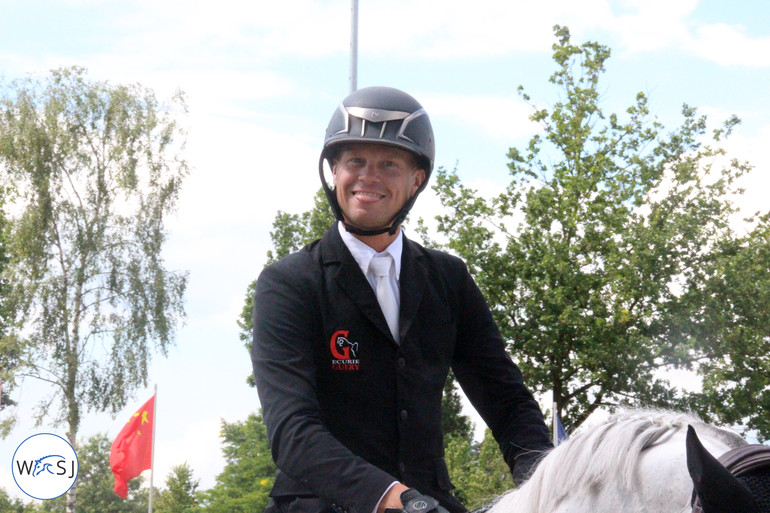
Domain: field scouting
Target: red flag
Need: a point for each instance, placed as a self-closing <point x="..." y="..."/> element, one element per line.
<point x="131" y="452"/>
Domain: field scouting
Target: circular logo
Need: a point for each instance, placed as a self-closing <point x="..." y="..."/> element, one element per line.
<point x="45" y="466"/>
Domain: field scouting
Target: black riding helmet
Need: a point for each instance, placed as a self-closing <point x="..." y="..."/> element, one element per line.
<point x="380" y="115"/>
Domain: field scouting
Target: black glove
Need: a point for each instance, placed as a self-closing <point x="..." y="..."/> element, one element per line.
<point x="415" y="502"/>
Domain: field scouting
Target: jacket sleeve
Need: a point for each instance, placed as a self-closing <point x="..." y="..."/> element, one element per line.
<point x="286" y="320"/>
<point x="493" y="383"/>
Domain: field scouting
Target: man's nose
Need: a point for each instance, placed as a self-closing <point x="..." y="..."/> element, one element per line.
<point x="369" y="171"/>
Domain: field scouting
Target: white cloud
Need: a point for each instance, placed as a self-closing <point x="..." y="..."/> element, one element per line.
<point x="244" y="171"/>
<point x="253" y="31"/>
<point x="231" y="34"/>
<point x="457" y="29"/>
<point x="500" y="117"/>
<point x="649" y="25"/>
<point x="657" y="25"/>
<point x="729" y="46"/>
<point x="174" y="34"/>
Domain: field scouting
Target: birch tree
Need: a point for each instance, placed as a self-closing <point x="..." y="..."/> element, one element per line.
<point x="96" y="168"/>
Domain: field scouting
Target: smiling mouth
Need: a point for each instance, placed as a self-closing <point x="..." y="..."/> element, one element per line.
<point x="372" y="195"/>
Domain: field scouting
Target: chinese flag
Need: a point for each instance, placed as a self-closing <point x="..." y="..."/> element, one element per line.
<point x="131" y="452"/>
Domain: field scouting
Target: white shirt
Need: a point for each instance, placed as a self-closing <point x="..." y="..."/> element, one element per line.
<point x="363" y="255"/>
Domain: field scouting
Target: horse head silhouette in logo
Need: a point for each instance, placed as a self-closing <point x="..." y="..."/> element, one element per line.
<point x="346" y="348"/>
<point x="43" y="466"/>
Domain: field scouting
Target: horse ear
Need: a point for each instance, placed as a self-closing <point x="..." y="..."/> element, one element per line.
<point x="717" y="489"/>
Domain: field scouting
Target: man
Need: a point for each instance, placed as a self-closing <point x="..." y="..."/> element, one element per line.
<point x="354" y="336"/>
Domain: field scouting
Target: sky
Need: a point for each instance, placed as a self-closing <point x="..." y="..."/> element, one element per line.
<point x="262" y="79"/>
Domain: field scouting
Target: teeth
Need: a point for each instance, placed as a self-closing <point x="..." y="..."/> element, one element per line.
<point x="370" y="194"/>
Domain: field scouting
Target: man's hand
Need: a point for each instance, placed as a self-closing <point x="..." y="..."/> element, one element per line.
<point x="413" y="501"/>
<point x="392" y="498"/>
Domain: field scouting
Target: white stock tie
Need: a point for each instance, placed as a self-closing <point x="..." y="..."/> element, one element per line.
<point x="380" y="266"/>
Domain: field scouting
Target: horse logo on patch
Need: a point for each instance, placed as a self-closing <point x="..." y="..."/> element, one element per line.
<point x="344" y="352"/>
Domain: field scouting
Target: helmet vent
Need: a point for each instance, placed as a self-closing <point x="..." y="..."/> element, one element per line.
<point x="377" y="115"/>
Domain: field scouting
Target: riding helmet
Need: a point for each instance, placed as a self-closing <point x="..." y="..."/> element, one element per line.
<point x="381" y="115"/>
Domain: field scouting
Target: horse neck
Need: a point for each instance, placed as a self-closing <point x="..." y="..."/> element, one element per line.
<point x="633" y="464"/>
<point x="523" y="499"/>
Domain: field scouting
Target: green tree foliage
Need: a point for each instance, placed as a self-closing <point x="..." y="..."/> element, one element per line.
<point x="5" y="306"/>
<point x="732" y="328"/>
<point x="293" y="231"/>
<point x="96" y="483"/>
<point x="181" y="494"/>
<point x="453" y="422"/>
<point x="249" y="473"/>
<point x="592" y="256"/>
<point x="10" y="348"/>
<point x="97" y="169"/>
<point x="477" y="470"/>
<point x="8" y="505"/>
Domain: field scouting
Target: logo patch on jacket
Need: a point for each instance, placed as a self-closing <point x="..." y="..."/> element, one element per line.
<point x="344" y="352"/>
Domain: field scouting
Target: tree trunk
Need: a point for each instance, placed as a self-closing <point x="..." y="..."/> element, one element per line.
<point x="72" y="492"/>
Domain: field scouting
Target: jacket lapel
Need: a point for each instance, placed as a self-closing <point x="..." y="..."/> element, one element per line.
<point x="413" y="281"/>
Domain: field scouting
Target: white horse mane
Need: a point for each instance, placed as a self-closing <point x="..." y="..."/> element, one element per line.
<point x="604" y="456"/>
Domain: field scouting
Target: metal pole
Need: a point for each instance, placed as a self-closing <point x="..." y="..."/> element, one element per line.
<point x="353" y="45"/>
<point x="152" y="445"/>
<point x="553" y="425"/>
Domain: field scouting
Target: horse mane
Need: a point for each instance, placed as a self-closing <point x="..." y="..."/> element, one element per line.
<point x="604" y="456"/>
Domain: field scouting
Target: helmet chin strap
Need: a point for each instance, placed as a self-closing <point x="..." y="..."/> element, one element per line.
<point x="369" y="233"/>
<point x="392" y="229"/>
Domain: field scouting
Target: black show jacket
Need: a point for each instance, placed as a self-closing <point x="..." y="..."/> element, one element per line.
<point x="347" y="409"/>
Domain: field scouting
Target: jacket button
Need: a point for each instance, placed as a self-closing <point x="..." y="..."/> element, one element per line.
<point x="401" y="467"/>
<point x="401" y="363"/>
<point x="404" y="414"/>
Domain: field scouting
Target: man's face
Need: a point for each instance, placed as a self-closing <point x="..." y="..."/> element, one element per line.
<point x="373" y="181"/>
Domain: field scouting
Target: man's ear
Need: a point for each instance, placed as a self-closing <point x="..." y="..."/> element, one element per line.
<point x="334" y="171"/>
<point x="419" y="178"/>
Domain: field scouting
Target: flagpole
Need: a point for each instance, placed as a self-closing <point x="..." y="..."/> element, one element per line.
<point x="553" y="422"/>
<point x="353" y="45"/>
<point x="152" y="445"/>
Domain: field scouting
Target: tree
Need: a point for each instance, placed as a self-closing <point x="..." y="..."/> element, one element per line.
<point x="181" y="495"/>
<point x="477" y="470"/>
<point x="96" y="483"/>
<point x="5" y="307"/>
<point x="245" y="482"/>
<point x="97" y="169"/>
<point x="731" y="328"/>
<point x="293" y="231"/>
<point x="10" y="347"/>
<point x="591" y="257"/>
<point x="453" y="422"/>
<point x="9" y="505"/>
